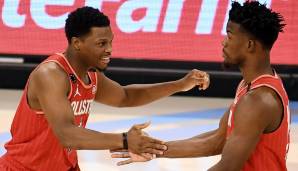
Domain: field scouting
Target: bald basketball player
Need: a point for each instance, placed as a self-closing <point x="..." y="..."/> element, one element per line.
<point x="253" y="135"/>
<point x="49" y="124"/>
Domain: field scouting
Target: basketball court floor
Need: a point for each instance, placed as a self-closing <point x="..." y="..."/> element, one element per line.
<point x="172" y="118"/>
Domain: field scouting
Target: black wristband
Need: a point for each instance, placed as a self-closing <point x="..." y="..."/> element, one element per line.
<point x="124" y="139"/>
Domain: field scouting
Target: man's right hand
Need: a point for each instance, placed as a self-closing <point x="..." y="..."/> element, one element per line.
<point x="139" y="142"/>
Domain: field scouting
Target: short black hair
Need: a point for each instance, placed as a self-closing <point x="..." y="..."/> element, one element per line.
<point x="258" y="20"/>
<point x="82" y="19"/>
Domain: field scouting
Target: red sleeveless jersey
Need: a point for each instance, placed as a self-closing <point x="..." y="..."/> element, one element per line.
<point x="272" y="148"/>
<point x="34" y="145"/>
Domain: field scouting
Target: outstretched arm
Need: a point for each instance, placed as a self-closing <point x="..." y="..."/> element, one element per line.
<point x="258" y="112"/>
<point x="52" y="97"/>
<point x="111" y="93"/>
<point x="206" y="144"/>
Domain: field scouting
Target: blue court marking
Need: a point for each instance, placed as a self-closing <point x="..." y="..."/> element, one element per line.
<point x="157" y="119"/>
<point x="4" y="137"/>
<point x="182" y="133"/>
<point x="294" y="105"/>
<point x="171" y="118"/>
<point x="294" y="111"/>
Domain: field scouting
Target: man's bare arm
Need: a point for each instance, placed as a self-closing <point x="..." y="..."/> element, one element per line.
<point x="113" y="94"/>
<point x="52" y="85"/>
<point x="206" y="144"/>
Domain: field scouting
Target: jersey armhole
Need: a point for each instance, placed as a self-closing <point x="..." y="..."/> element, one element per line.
<point x="26" y="87"/>
<point x="282" y="103"/>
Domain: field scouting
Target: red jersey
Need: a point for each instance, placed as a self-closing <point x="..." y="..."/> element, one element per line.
<point x="271" y="150"/>
<point x="34" y="145"/>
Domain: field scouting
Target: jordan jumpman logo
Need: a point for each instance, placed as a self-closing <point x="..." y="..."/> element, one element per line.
<point x="77" y="91"/>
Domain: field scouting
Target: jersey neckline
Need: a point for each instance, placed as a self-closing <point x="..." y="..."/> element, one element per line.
<point x="81" y="81"/>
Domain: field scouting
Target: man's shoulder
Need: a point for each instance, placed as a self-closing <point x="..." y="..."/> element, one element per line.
<point x="49" y="71"/>
<point x="259" y="102"/>
<point x="263" y="95"/>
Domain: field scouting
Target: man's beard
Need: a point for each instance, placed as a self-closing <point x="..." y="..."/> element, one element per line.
<point x="229" y="66"/>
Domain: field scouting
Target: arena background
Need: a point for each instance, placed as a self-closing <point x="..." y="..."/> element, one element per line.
<point x="161" y="40"/>
<point x="155" y="40"/>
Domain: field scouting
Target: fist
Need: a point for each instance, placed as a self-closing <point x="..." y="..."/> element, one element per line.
<point x="195" y="78"/>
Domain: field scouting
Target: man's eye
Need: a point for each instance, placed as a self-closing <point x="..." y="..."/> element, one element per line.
<point x="101" y="44"/>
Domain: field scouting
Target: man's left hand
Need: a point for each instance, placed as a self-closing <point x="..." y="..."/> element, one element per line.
<point x="195" y="78"/>
<point x="132" y="157"/>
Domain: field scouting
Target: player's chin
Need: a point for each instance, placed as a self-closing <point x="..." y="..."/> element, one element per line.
<point x="228" y="65"/>
<point x="101" y="68"/>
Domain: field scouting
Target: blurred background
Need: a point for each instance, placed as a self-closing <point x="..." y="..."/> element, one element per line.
<point x="155" y="41"/>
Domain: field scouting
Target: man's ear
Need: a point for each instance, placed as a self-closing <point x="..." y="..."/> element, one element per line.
<point x="251" y="45"/>
<point x="76" y="43"/>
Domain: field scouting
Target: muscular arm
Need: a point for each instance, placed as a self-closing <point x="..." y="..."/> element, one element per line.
<point x="258" y="112"/>
<point x="206" y="144"/>
<point x="111" y="93"/>
<point x="49" y="85"/>
<point x="52" y="85"/>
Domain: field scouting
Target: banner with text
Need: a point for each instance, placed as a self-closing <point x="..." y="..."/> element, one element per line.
<point x="188" y="30"/>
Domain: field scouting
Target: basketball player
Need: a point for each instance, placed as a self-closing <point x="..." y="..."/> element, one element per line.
<point x="49" y="124"/>
<point x="253" y="135"/>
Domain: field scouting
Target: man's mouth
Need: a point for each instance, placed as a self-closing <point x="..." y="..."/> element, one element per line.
<point x="105" y="59"/>
<point x="224" y="54"/>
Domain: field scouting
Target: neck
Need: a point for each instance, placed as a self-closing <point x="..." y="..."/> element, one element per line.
<point x="75" y="62"/>
<point x="255" y="68"/>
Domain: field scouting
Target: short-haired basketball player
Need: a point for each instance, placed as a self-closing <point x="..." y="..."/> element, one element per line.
<point x="253" y="135"/>
<point x="48" y="126"/>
